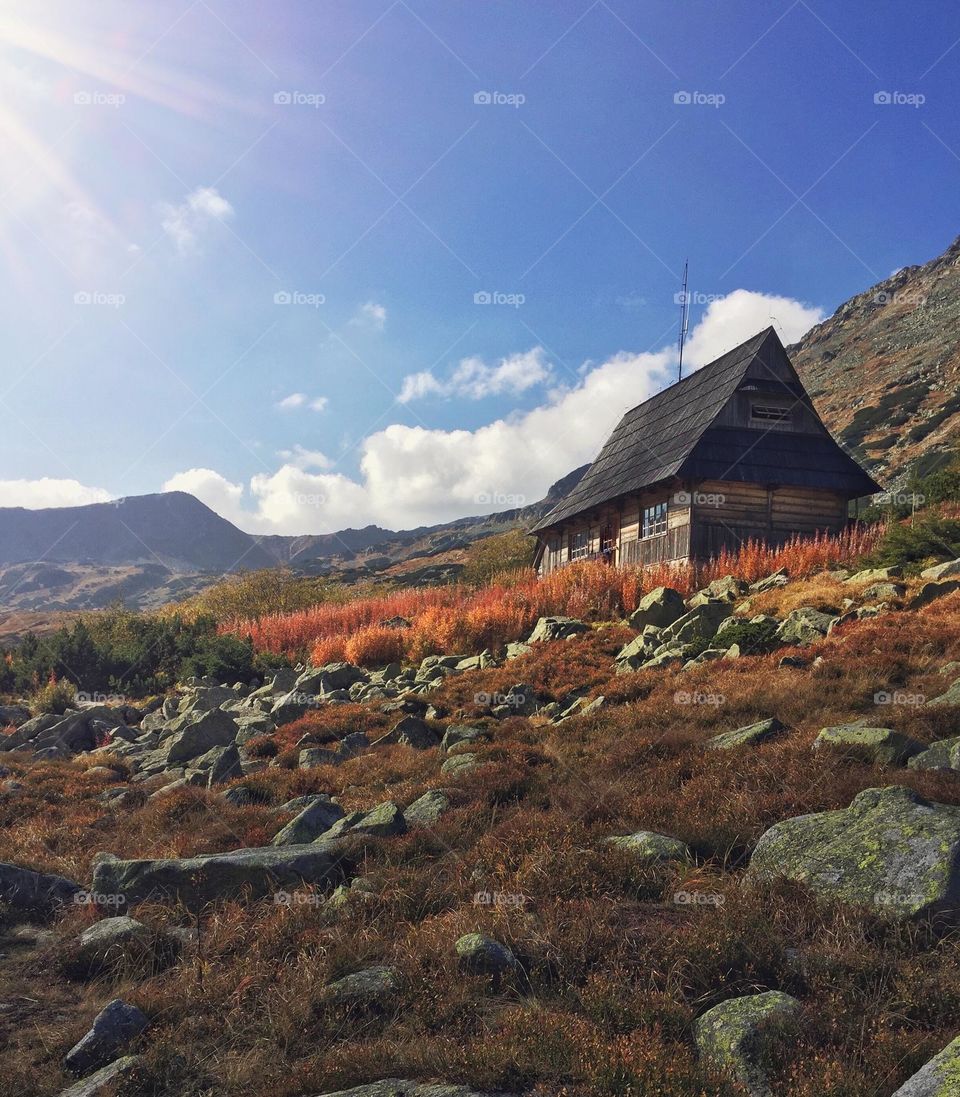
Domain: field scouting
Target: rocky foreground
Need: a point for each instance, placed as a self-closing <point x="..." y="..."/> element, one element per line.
<point x="888" y="852"/>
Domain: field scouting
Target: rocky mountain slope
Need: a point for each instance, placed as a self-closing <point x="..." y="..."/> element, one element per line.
<point x="884" y="370"/>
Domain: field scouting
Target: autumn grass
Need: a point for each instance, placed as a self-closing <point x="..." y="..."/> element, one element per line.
<point x="614" y="971"/>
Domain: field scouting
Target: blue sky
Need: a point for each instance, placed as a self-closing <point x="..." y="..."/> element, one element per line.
<point x="330" y="263"/>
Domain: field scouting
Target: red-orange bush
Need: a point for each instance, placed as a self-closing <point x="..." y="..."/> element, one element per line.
<point x="374" y="646"/>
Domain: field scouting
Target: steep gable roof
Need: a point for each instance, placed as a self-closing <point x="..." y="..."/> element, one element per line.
<point x="660" y="438"/>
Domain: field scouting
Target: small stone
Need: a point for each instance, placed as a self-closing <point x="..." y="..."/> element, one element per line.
<point x="482" y="955"/>
<point x="114" y="1027"/>
<point x="651" y="847"/>
<point x="882" y="745"/>
<point x="373" y="986"/>
<point x="938" y="1078"/>
<point x="312" y="821"/>
<point x="750" y="735"/>
<point x="426" y="810"/>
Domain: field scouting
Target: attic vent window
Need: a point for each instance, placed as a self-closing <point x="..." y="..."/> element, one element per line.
<point x="769" y="413"/>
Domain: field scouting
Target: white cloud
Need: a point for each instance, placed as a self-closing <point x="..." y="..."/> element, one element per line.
<point x="370" y="315"/>
<point x="184" y="223"/>
<point x="303" y="458"/>
<point x="411" y="475"/>
<point x="39" y="494"/>
<point x="301" y="400"/>
<point x="474" y="379"/>
<point x="731" y="319"/>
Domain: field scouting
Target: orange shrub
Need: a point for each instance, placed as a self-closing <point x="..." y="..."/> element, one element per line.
<point x="374" y="646"/>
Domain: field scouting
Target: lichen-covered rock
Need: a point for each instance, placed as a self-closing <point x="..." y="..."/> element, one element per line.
<point x="382" y="821"/>
<point x="647" y="845"/>
<point x="459" y="734"/>
<point x="875" y="575"/>
<point x="110" y="940"/>
<point x="458" y="764"/>
<point x="556" y="628"/>
<point x="661" y="607"/>
<point x="412" y="732"/>
<point x="426" y="810"/>
<point x="104" y="1080"/>
<point x="942" y="571"/>
<point x="883" y="745"/>
<point x="699" y="623"/>
<point x="943" y="754"/>
<point x="483" y="955"/>
<point x="803" y="626"/>
<point x="890" y="850"/>
<point x="732" y="1035"/>
<point x="748" y="736"/>
<point x="938" y="1078"/>
<point x="317" y="817"/>
<point x="373" y="986"/>
<point x="948" y="699"/>
<point x="197" y="733"/>
<point x="255" y="872"/>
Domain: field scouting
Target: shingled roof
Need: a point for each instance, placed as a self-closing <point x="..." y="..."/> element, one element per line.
<point x="672" y="435"/>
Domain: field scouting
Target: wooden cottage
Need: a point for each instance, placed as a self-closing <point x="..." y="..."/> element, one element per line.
<point x="734" y="452"/>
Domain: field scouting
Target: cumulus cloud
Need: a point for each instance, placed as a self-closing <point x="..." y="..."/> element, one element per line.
<point x="411" y="476"/>
<point x="184" y="223"/>
<point x="475" y="379"/>
<point x="370" y="315"/>
<point x="39" y="494"/>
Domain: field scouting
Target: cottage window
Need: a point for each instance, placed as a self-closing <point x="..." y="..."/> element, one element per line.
<point x="654" y="520"/>
<point x="769" y="413"/>
<point x="579" y="544"/>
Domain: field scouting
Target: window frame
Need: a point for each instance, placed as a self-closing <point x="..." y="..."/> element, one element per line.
<point x="783" y="415"/>
<point x="653" y="519"/>
<point x="577" y="549"/>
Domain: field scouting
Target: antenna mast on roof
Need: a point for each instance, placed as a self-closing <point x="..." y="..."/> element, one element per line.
<point x="684" y="300"/>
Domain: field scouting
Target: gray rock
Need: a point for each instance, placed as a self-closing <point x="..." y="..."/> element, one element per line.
<point x="426" y="810"/>
<point x="699" y="623"/>
<point x="337" y="676"/>
<point x="482" y="955"/>
<point x="310" y="757"/>
<point x="224" y="766"/>
<point x="114" y="1027"/>
<point x="883" y="745"/>
<point x="947" y="570"/>
<point x="929" y="592"/>
<point x="292" y="706"/>
<point x="748" y="736"/>
<point x="398" y="1087"/>
<point x="660" y="607"/>
<point x="383" y="821"/>
<point x="944" y="754"/>
<point x="256" y="872"/>
<point x="884" y="592"/>
<point x="875" y="575"/>
<point x="316" y="818"/>
<point x="458" y="735"/>
<point x="731" y="1036"/>
<point x="109" y="940"/>
<point x="413" y="732"/>
<point x="556" y="628"/>
<point x="891" y="850"/>
<point x="515" y="650"/>
<point x="779" y="578"/>
<point x="105" y="1081"/>
<point x="938" y="1078"/>
<point x="198" y="733"/>
<point x="458" y="764"/>
<point x="803" y="626"/>
<point x="22" y="889"/>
